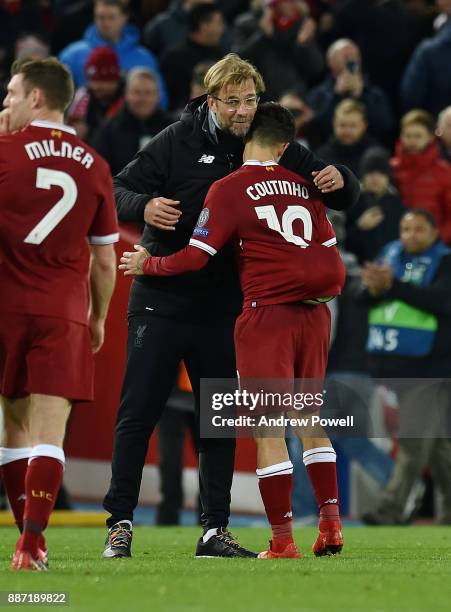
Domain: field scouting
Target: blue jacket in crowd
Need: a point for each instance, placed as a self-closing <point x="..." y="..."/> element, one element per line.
<point x="130" y="53"/>
<point x="426" y="83"/>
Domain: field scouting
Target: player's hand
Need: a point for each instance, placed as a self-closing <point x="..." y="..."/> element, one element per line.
<point x="132" y="263"/>
<point x="328" y="179"/>
<point x="162" y="213"/>
<point x="97" y="331"/>
<point x="4" y="121"/>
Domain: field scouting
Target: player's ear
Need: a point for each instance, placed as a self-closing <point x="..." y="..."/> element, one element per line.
<point x="37" y="98"/>
<point x="282" y="148"/>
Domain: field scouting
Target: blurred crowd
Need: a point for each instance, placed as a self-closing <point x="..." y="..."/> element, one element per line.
<point x="368" y="82"/>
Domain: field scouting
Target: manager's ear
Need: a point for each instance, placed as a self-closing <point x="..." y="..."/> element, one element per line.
<point x="212" y="104"/>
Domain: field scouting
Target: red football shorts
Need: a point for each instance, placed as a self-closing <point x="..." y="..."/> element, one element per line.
<point x="283" y="342"/>
<point x="45" y="355"/>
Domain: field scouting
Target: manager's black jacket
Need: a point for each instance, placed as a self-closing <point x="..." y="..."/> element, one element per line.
<point x="181" y="163"/>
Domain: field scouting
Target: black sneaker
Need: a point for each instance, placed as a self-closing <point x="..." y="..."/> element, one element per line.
<point x="119" y="540"/>
<point x="223" y="544"/>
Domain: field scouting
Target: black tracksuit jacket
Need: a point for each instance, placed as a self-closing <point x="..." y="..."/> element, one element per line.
<point x="181" y="163"/>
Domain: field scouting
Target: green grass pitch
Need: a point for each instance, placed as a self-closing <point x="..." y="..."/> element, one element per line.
<point x="380" y="569"/>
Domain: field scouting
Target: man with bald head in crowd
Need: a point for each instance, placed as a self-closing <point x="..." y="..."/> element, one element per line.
<point x="346" y="80"/>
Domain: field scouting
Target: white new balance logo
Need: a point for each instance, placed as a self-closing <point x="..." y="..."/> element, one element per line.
<point x="206" y="159"/>
<point x="288" y="515"/>
<point x="331" y="501"/>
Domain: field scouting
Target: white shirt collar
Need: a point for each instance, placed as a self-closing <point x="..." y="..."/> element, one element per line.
<point x="256" y="162"/>
<point x="53" y="126"/>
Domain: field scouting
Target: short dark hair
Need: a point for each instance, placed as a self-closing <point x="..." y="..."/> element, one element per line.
<point x="201" y="13"/>
<point x="272" y="124"/>
<point x="119" y="3"/>
<point x="421" y="212"/>
<point x="50" y="76"/>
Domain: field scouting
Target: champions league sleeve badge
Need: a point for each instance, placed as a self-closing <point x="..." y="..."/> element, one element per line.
<point x="203" y="217"/>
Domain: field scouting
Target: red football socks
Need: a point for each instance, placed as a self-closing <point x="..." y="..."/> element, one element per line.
<point x="276" y="484"/>
<point x="321" y="468"/>
<point x="14" y="480"/>
<point x="42" y="483"/>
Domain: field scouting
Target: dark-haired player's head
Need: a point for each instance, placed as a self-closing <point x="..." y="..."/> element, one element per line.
<point x="272" y="129"/>
<point x="417" y="231"/>
<point x="38" y="89"/>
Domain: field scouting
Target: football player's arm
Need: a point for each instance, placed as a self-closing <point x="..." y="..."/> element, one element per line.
<point x="196" y="254"/>
<point x="102" y="235"/>
<point x="102" y="276"/>
<point x="343" y="193"/>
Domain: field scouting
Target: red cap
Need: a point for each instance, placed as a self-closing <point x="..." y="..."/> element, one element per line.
<point x="102" y="65"/>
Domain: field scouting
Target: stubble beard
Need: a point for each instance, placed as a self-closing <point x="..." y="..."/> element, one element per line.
<point x="239" y="130"/>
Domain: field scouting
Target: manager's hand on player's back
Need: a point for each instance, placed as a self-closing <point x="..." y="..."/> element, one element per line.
<point x="161" y="213"/>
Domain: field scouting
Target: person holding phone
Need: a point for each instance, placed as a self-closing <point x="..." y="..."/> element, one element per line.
<point x="347" y="80"/>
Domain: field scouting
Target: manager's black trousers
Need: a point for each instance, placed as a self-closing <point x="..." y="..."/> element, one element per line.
<point x="155" y="348"/>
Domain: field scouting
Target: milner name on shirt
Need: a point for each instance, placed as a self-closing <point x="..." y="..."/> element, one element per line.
<point x="60" y="148"/>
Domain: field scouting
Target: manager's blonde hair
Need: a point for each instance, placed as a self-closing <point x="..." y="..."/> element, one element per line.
<point x="232" y="70"/>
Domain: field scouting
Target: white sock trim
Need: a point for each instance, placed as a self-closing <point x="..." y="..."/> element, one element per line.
<point x="286" y="467"/>
<point x="322" y="454"/>
<point x="8" y="455"/>
<point x="47" y="450"/>
<point x="207" y="535"/>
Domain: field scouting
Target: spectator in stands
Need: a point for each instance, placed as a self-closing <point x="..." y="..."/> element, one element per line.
<point x="426" y="83"/>
<point x="246" y="24"/>
<point x="346" y="80"/>
<point x="367" y="22"/>
<point x="197" y="87"/>
<point x="111" y="28"/>
<point x="141" y="118"/>
<point x="16" y="18"/>
<point x="308" y="131"/>
<point x="374" y="221"/>
<point x="284" y="48"/>
<point x="409" y="294"/>
<point x="197" y="79"/>
<point x="101" y="98"/>
<point x="350" y="137"/>
<point x="206" y="26"/>
<point x="171" y="28"/>
<point x="32" y="46"/>
<point x="421" y="176"/>
<point x="443" y="133"/>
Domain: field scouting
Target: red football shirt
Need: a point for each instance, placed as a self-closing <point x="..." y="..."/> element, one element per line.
<point x="55" y="197"/>
<point x="285" y="242"/>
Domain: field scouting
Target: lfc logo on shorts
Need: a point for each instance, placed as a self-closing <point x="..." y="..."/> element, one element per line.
<point x="139" y="338"/>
